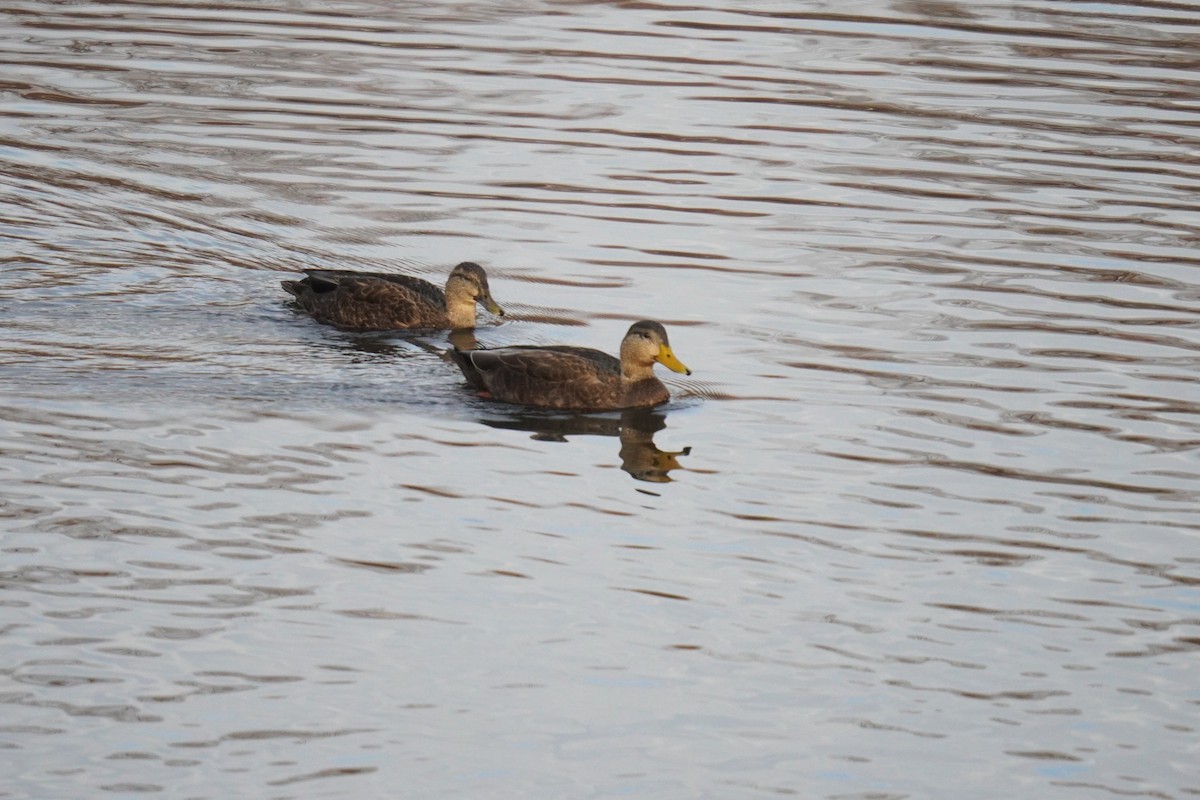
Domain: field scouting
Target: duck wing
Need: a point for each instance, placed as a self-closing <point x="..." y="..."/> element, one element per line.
<point x="550" y="377"/>
<point x="324" y="280"/>
<point x="371" y="300"/>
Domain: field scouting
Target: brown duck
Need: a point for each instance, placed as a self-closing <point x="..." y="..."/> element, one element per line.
<point x="367" y="301"/>
<point x="576" y="378"/>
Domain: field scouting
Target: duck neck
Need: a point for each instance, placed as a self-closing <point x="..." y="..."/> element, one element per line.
<point x="460" y="305"/>
<point x="632" y="372"/>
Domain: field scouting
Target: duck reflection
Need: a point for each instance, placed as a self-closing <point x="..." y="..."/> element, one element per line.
<point x="463" y="339"/>
<point x="399" y="344"/>
<point x="635" y="427"/>
<point x="374" y="346"/>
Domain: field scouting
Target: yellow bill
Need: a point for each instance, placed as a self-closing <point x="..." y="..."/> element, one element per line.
<point x="668" y="360"/>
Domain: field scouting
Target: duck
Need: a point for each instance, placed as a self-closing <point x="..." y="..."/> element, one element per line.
<point x="575" y="378"/>
<point x="375" y="301"/>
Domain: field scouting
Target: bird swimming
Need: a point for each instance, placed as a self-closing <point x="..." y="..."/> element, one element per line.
<point x="576" y="378"/>
<point x="369" y="301"/>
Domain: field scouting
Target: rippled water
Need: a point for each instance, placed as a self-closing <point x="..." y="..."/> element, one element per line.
<point x="923" y="523"/>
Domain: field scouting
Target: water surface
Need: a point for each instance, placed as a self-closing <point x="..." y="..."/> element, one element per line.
<point x="923" y="523"/>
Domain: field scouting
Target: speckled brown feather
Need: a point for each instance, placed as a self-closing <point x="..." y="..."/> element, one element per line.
<point x="561" y="377"/>
<point x="369" y="300"/>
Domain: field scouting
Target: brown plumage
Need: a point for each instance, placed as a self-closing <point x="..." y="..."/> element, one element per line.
<point x="366" y="301"/>
<point x="577" y="378"/>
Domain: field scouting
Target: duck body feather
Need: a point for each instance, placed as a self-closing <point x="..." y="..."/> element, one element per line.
<point x="376" y="301"/>
<point x="557" y="376"/>
<point x="369" y="300"/>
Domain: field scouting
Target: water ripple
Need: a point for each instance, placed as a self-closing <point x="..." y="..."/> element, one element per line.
<point x="928" y="498"/>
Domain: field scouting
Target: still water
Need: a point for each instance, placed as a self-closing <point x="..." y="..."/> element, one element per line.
<point x="924" y="522"/>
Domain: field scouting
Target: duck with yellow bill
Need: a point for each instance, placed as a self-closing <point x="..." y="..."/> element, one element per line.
<point x="575" y="378"/>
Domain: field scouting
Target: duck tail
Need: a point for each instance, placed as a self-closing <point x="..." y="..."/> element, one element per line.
<point x="291" y="287"/>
